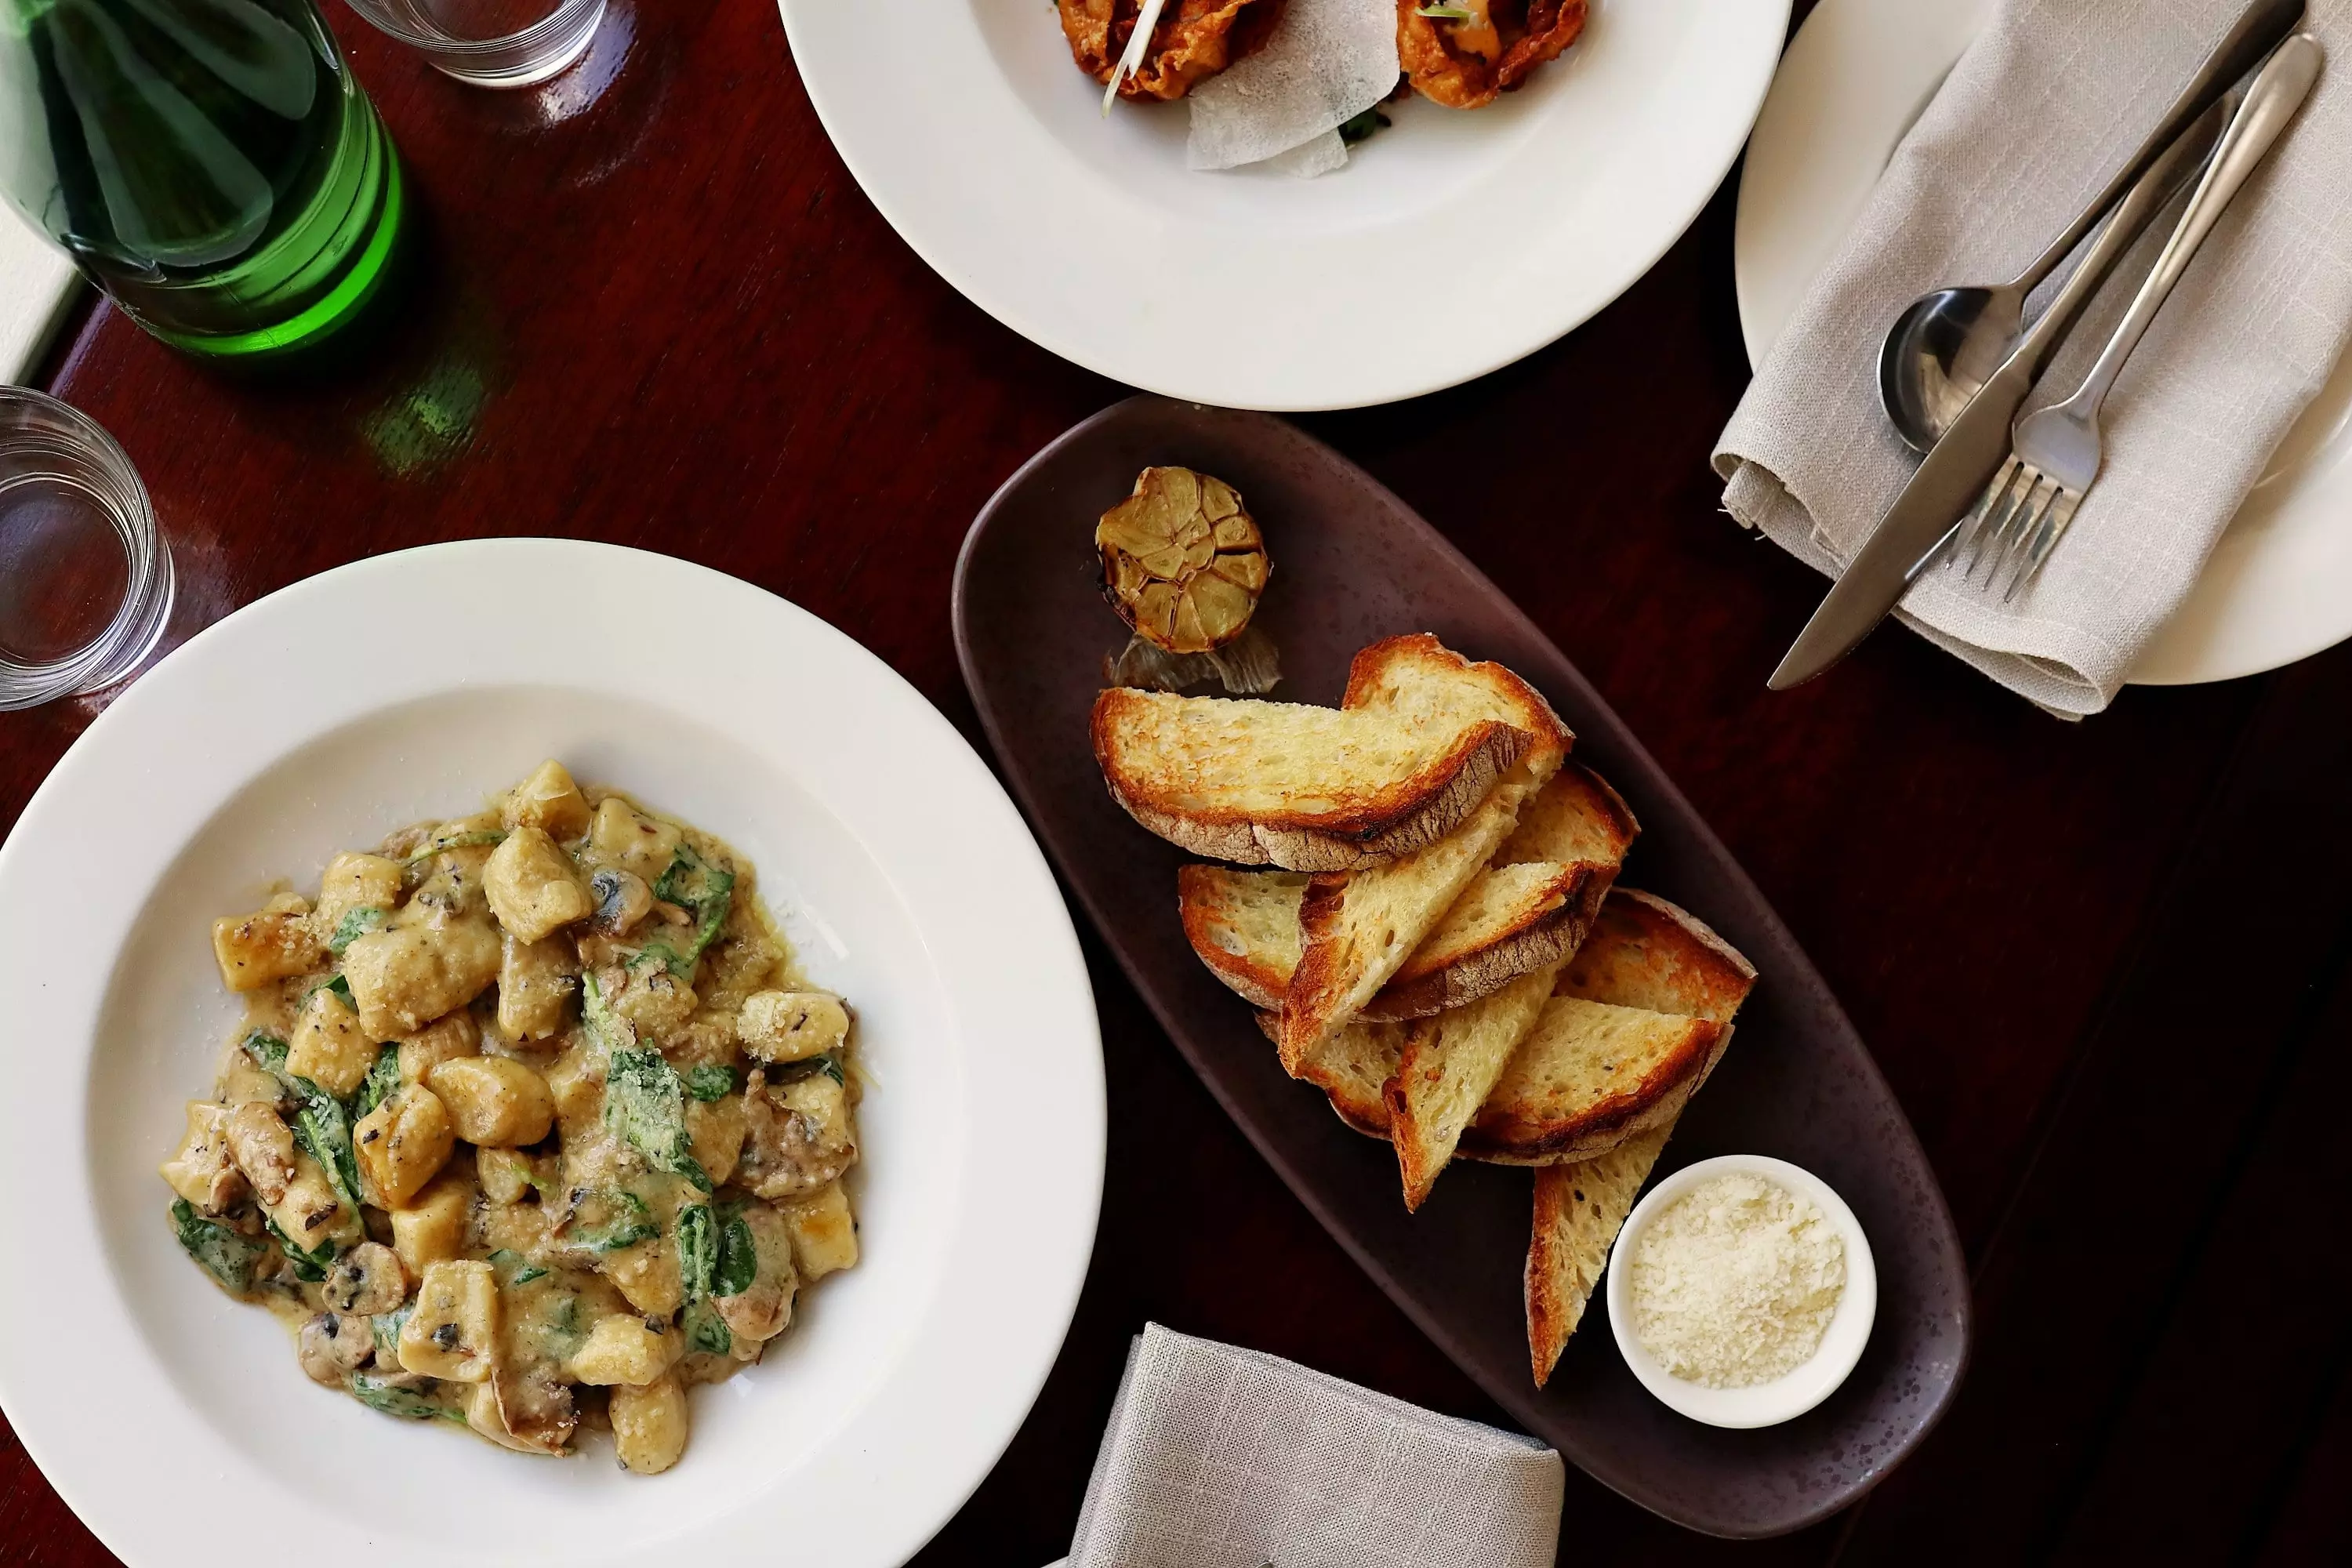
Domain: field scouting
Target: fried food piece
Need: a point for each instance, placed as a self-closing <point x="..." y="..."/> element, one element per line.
<point x="1479" y="49"/>
<point x="1194" y="40"/>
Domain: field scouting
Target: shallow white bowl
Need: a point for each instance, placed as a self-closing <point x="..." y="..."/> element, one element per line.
<point x="1784" y="1398"/>
<point x="1450" y="245"/>
<point x="413" y="685"/>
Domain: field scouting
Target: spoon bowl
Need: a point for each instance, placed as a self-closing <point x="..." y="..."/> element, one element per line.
<point x="1939" y="352"/>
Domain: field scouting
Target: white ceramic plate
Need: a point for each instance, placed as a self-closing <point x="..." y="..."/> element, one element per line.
<point x="413" y="685"/>
<point x="1450" y="245"/>
<point x="1784" y="1398"/>
<point x="2279" y="586"/>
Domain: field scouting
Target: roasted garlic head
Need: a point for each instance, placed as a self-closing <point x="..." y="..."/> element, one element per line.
<point x="1182" y="563"/>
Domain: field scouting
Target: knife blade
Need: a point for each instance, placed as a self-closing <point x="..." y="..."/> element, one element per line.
<point x="1926" y="516"/>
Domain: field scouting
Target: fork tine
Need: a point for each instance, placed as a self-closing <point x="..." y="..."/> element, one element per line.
<point x="2045" y="540"/>
<point x="2031" y="518"/>
<point x="1996" y="542"/>
<point x="1991" y="510"/>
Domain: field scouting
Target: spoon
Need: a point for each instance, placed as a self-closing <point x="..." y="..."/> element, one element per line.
<point x="1943" y="349"/>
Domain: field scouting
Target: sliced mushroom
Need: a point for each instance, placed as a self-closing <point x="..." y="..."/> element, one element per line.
<point x="763" y="1308"/>
<point x="366" y="1281"/>
<point x="331" y="1345"/>
<point x="797" y="1137"/>
<point x="263" y="1149"/>
<point x="622" y="900"/>
<point x="528" y="1412"/>
<point x="202" y="1171"/>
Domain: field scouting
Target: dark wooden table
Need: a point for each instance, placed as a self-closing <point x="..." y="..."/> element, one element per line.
<point x="2104" y="964"/>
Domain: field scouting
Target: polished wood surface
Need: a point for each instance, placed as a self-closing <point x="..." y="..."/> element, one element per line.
<point x="2105" y="965"/>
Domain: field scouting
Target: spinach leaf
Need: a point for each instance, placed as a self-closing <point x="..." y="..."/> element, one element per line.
<point x="386" y="1329"/>
<point x="323" y="1129"/>
<point x="645" y="1102"/>
<point x="310" y="1267"/>
<point x="606" y="1032"/>
<point x="633" y="1224"/>
<point x="377" y="1394"/>
<point x="226" y="1256"/>
<point x="381" y="1079"/>
<point x="738" y="1254"/>
<point x="1364" y="125"/>
<point x="355" y="924"/>
<point x="709" y="1082"/>
<point x="514" y="1269"/>
<point x="418" y="867"/>
<point x="708" y="893"/>
<point x="698" y="1266"/>
<point x="473" y="838"/>
<point x="705" y="1330"/>
<point x="268" y="1051"/>
<point x="698" y="1250"/>
<point x="645" y="1105"/>
<point x="831" y="1067"/>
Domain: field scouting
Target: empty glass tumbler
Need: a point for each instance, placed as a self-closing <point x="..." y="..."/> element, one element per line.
<point x="209" y="163"/>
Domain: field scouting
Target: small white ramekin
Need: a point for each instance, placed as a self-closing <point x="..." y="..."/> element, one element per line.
<point x="1784" y="1398"/>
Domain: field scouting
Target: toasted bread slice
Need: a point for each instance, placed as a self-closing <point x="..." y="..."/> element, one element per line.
<point x="1511" y="919"/>
<point x="1557" y="1104"/>
<point x="1578" y="817"/>
<point x="1244" y="926"/>
<point x="1530" y="909"/>
<point x="1588" y="1077"/>
<point x="1579" y="1211"/>
<point x="1352" y="1069"/>
<point x="1642" y="952"/>
<point x="1646" y="953"/>
<point x="1446" y="1067"/>
<point x="1311" y="789"/>
<point x="1530" y="906"/>
<point x="1355" y="931"/>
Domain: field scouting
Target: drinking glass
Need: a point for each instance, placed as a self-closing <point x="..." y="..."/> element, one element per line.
<point x="86" y="584"/>
<point x="209" y="163"/>
<point x="491" y="43"/>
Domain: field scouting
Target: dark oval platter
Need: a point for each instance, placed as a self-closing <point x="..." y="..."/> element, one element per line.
<point x="1353" y="563"/>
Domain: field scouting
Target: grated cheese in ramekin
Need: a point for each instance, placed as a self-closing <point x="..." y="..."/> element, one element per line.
<point x="1734" y="1283"/>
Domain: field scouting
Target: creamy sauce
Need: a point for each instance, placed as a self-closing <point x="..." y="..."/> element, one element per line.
<point x="595" y="1178"/>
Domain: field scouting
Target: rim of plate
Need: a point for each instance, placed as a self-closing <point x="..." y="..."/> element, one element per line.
<point x="1262" y="310"/>
<point x="150" y="772"/>
<point x="2278" y="586"/>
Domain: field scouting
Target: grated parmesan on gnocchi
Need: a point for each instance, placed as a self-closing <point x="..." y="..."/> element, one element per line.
<point x="529" y="1126"/>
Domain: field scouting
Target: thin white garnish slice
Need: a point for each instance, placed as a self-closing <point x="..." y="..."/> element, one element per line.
<point x="1446" y="14"/>
<point x="1139" y="44"/>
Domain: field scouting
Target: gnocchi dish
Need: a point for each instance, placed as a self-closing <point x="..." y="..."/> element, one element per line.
<point x="530" y="1125"/>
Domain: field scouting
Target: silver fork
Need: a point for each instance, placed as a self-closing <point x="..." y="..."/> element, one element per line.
<point x="2054" y="452"/>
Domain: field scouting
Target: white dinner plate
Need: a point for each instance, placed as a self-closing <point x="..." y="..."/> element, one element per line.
<point x="175" y="1421"/>
<point x="1450" y="244"/>
<point x="2279" y="586"/>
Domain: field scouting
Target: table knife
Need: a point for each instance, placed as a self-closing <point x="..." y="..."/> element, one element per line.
<point x="1926" y="516"/>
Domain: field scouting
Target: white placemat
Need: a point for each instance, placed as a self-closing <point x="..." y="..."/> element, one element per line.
<point x="36" y="284"/>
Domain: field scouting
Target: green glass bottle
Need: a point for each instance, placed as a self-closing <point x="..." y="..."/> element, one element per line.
<point x="209" y="163"/>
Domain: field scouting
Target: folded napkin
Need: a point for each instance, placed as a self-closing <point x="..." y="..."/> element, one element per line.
<point x="35" y="282"/>
<point x="1222" y="1457"/>
<point x="2038" y="114"/>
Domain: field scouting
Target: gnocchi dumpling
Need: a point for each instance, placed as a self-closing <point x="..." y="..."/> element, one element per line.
<point x="531" y="1100"/>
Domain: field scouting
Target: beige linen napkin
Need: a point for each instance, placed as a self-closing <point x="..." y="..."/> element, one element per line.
<point x="35" y="283"/>
<point x="2047" y="102"/>
<point x="1222" y="1457"/>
